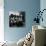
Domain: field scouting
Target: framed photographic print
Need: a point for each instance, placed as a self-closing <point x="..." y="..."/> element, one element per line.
<point x="16" y="18"/>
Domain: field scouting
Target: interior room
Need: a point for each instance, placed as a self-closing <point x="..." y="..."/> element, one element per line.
<point x="22" y="23"/>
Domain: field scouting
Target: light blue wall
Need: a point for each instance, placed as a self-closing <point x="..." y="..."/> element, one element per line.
<point x="30" y="7"/>
<point x="43" y="6"/>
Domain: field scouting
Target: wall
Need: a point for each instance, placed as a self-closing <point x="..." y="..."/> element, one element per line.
<point x="43" y="6"/>
<point x="1" y="21"/>
<point x="30" y="7"/>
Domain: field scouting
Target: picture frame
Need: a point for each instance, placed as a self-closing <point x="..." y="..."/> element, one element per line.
<point x="16" y="18"/>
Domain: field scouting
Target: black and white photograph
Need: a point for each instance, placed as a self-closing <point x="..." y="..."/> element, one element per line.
<point x="16" y="19"/>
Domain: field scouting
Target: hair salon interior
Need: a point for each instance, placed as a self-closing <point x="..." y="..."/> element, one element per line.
<point x="22" y="22"/>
